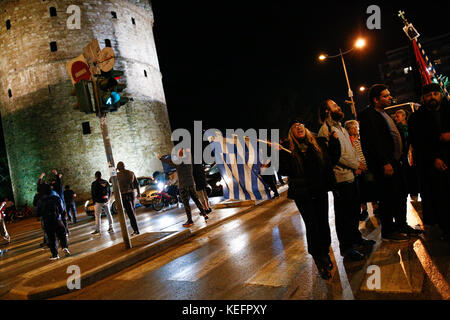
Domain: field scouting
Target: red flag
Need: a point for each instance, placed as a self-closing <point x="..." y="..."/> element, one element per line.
<point x="421" y="65"/>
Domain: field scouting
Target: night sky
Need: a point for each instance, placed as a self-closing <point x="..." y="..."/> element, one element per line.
<point x="236" y="64"/>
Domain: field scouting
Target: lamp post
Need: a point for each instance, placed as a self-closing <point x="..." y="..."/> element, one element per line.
<point x="360" y="43"/>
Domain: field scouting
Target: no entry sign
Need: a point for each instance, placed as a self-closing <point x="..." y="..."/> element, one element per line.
<point x="80" y="71"/>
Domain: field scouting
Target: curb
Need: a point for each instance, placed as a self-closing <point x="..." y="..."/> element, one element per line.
<point x="111" y="267"/>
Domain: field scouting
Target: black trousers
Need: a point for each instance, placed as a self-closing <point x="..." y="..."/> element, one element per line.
<point x="55" y="231"/>
<point x="314" y="212"/>
<point x="270" y="181"/>
<point x="128" y="205"/>
<point x="392" y="205"/>
<point x="346" y="214"/>
<point x="186" y="193"/>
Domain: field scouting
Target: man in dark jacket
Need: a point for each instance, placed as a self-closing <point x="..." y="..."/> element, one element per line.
<point x="382" y="148"/>
<point x="186" y="185"/>
<point x="101" y="192"/>
<point x="127" y="184"/>
<point x="50" y="209"/>
<point x="429" y="132"/>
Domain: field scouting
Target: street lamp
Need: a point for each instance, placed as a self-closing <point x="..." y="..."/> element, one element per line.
<point x="359" y="44"/>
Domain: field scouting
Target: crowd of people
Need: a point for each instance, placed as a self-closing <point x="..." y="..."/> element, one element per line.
<point x="376" y="159"/>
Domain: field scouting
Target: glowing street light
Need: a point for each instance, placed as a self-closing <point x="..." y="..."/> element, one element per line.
<point x="359" y="44"/>
<point x="362" y="89"/>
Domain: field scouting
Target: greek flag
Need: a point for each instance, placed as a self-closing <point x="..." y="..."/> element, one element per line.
<point x="239" y="164"/>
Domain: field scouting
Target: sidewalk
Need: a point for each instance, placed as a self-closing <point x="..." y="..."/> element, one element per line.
<point x="53" y="278"/>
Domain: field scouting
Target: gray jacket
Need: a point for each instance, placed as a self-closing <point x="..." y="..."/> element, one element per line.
<point x="349" y="160"/>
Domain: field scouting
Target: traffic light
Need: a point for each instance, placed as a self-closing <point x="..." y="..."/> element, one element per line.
<point x="84" y="98"/>
<point x="109" y="91"/>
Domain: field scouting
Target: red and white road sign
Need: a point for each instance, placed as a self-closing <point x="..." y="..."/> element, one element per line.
<point x="80" y="71"/>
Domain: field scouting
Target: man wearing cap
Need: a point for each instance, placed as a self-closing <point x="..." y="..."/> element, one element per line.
<point x="127" y="183"/>
<point x="429" y="132"/>
<point x="382" y="148"/>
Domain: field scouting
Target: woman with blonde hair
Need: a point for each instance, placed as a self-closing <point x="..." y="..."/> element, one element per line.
<point x="310" y="171"/>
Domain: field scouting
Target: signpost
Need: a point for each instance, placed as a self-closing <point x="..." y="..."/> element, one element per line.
<point x="85" y="67"/>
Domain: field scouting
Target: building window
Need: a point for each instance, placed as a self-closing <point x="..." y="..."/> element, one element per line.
<point x="9" y="93"/>
<point x="114" y="15"/>
<point x="133" y="21"/>
<point x="108" y="43"/>
<point x="8" y="24"/>
<point x="86" y="128"/>
<point x="52" y="12"/>
<point x="53" y="46"/>
<point x="145" y="73"/>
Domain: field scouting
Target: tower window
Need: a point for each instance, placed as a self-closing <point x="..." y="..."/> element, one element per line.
<point x="114" y="15"/>
<point x="86" y="127"/>
<point x="8" y="24"/>
<point x="133" y="21"/>
<point x="9" y="93"/>
<point x="52" y="12"/>
<point x="53" y="46"/>
<point x="145" y="73"/>
<point x="107" y="43"/>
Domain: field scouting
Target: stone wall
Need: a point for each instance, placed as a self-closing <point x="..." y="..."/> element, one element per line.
<point x="41" y="129"/>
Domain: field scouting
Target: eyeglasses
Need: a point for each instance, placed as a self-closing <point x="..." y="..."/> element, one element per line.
<point x="298" y="125"/>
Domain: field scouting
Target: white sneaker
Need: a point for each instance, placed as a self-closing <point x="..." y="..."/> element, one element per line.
<point x="66" y="252"/>
<point x="54" y="258"/>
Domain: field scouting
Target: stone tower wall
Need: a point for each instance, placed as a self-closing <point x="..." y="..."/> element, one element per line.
<point x="41" y="129"/>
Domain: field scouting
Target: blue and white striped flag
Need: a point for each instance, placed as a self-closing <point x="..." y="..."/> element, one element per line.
<point x="239" y="164"/>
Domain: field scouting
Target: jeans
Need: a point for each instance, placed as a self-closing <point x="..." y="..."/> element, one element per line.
<point x="71" y="210"/>
<point x="99" y="207"/>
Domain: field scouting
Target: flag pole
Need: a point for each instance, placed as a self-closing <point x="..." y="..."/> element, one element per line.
<point x="414" y="38"/>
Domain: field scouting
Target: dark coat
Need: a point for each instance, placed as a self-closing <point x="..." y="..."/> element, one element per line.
<point x="96" y="191"/>
<point x="50" y="208"/>
<point x="376" y="140"/>
<point x="425" y="128"/>
<point x="314" y="176"/>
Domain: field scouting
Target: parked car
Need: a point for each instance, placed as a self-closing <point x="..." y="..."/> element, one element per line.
<point x="144" y="184"/>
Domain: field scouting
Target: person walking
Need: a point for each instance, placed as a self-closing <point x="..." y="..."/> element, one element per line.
<point x="382" y="147"/>
<point x="50" y="209"/>
<point x="71" y="208"/>
<point x="127" y="184"/>
<point x="186" y="184"/>
<point x="310" y="172"/>
<point x="346" y="196"/>
<point x="101" y="193"/>
<point x="198" y="171"/>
